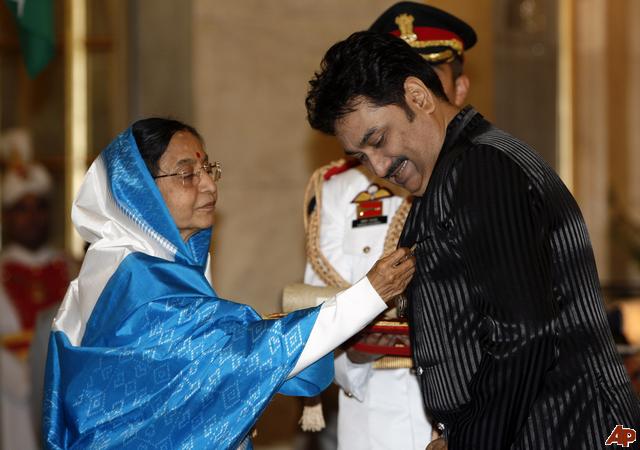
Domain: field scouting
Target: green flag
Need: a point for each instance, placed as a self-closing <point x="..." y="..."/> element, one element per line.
<point x="35" y="25"/>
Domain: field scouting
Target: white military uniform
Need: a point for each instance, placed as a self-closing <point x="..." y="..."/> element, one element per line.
<point x="378" y="408"/>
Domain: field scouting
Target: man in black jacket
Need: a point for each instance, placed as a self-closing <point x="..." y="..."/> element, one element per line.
<point x="509" y="334"/>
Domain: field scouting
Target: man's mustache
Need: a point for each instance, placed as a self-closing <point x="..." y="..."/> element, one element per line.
<point x="397" y="163"/>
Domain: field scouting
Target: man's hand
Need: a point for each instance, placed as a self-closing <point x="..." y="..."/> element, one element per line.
<point x="390" y="275"/>
<point x="437" y="444"/>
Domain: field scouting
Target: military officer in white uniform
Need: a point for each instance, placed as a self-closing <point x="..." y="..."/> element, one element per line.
<point x="352" y="221"/>
<point x="383" y="405"/>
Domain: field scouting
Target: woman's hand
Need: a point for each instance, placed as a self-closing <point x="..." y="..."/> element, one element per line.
<point x="391" y="274"/>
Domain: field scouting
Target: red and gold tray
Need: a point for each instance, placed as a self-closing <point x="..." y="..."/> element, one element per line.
<point x="398" y="327"/>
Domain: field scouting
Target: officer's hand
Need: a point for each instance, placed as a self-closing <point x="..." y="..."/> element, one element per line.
<point x="391" y="274"/>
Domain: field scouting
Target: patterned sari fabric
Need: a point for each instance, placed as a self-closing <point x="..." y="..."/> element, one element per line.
<point x="143" y="353"/>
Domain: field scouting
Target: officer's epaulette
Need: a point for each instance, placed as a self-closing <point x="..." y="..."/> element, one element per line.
<point x="335" y="170"/>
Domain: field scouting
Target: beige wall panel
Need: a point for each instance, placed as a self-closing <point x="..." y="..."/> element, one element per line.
<point x="161" y="66"/>
<point x="633" y="130"/>
<point x="633" y="105"/>
<point x="618" y="124"/>
<point x="479" y="62"/>
<point x="592" y="181"/>
<point x="525" y="73"/>
<point x="252" y="61"/>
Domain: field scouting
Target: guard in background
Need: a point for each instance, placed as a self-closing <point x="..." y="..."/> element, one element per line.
<point x="34" y="277"/>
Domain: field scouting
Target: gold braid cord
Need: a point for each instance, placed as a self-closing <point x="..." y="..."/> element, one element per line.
<point x="396" y="226"/>
<point x="393" y="362"/>
<point x="323" y="267"/>
<point x="318" y="261"/>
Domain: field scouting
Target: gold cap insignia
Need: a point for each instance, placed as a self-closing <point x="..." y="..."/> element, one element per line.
<point x="405" y="25"/>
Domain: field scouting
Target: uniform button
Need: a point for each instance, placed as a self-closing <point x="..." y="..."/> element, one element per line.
<point x="419" y="370"/>
<point x="366" y="249"/>
<point x="349" y="394"/>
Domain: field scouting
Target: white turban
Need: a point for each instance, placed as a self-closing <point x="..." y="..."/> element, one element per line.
<point x="22" y="176"/>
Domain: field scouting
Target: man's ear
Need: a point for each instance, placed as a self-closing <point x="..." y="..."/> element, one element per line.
<point x="418" y="96"/>
<point x="462" y="84"/>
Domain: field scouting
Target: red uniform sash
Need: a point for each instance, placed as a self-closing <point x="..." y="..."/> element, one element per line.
<point x="32" y="289"/>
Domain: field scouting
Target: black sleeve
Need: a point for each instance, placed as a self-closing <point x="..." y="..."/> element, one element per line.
<point x="508" y="262"/>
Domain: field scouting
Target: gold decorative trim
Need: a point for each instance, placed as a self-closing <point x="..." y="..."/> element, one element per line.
<point x="565" y="94"/>
<point x="321" y="265"/>
<point x="396" y="226"/>
<point x="17" y="343"/>
<point x="451" y="43"/>
<point x="274" y="316"/>
<point x="76" y="113"/>
<point x="405" y="25"/>
<point x="445" y="56"/>
<point x="390" y="323"/>
<point x="20" y="337"/>
<point x="393" y="362"/>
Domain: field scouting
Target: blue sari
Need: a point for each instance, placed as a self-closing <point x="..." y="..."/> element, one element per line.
<point x="143" y="353"/>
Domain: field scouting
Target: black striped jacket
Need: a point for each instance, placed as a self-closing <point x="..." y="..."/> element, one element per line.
<point x="510" y="340"/>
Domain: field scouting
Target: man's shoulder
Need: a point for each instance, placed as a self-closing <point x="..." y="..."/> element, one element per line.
<point x="499" y="144"/>
<point x="498" y="147"/>
<point x="499" y="139"/>
<point x="494" y="161"/>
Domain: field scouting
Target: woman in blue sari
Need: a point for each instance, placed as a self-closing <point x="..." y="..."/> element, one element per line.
<point x="143" y="354"/>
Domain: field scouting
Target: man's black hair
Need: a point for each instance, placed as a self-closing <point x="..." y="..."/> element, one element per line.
<point x="152" y="137"/>
<point x="367" y="65"/>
